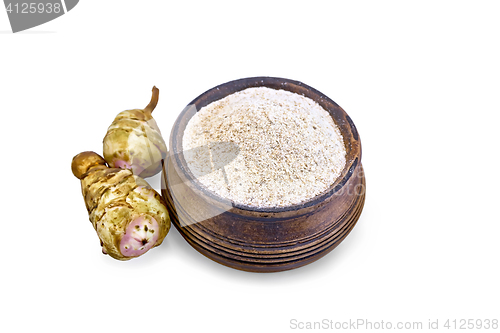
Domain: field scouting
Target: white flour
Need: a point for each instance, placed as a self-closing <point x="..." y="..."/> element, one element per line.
<point x="287" y="148"/>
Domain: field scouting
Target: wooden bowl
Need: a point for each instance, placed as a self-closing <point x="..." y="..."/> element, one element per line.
<point x="258" y="239"/>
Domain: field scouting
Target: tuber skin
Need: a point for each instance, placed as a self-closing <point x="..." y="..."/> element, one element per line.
<point x="133" y="141"/>
<point x="128" y="215"/>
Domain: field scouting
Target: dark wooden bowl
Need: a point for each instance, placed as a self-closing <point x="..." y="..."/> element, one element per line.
<point x="257" y="239"/>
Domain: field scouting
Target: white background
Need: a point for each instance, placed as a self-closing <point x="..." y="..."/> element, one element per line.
<point x="421" y="81"/>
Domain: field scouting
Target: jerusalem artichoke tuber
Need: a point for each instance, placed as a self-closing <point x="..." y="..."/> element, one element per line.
<point x="129" y="216"/>
<point x="133" y="141"/>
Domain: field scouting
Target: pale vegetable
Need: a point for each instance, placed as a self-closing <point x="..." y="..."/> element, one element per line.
<point x="129" y="216"/>
<point x="134" y="141"/>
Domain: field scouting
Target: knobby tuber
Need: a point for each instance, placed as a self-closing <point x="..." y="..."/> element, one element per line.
<point x="129" y="216"/>
<point x="134" y="141"/>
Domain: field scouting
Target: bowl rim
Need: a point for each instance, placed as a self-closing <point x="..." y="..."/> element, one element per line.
<point x="339" y="116"/>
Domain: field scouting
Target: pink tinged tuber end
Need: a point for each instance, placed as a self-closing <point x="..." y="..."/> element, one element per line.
<point x="121" y="164"/>
<point x="140" y="236"/>
<point x="136" y="170"/>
